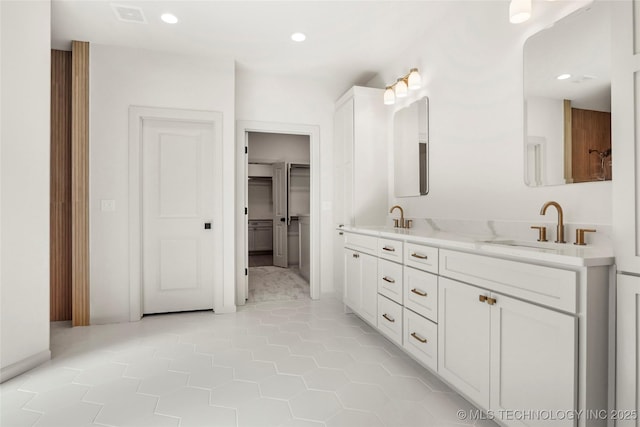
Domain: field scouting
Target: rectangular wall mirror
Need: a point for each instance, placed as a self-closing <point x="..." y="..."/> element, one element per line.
<point x="411" y="149"/>
<point x="567" y="94"/>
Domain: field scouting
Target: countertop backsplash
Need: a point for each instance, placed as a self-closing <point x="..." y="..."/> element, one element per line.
<point x="516" y="230"/>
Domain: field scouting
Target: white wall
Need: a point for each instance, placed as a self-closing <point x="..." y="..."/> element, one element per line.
<point x="25" y="87"/>
<point x="121" y="77"/>
<point x="472" y="73"/>
<point x="276" y="147"/>
<point x="286" y="99"/>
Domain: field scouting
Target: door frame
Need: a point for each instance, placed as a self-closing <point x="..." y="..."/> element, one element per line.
<point x="137" y="114"/>
<point x="243" y="127"/>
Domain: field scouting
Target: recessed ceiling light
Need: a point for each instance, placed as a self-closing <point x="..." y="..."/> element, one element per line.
<point x="563" y="76"/>
<point x="169" y="18"/>
<point x="298" y="37"/>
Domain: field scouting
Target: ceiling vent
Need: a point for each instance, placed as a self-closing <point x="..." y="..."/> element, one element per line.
<point x="129" y="14"/>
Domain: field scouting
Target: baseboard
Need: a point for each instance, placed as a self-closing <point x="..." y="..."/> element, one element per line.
<point x="24" y="365"/>
<point x="225" y="309"/>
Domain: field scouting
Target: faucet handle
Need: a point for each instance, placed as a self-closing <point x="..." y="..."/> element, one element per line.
<point x="580" y="235"/>
<point x="542" y="232"/>
<point x="395" y="223"/>
<point x="408" y="223"/>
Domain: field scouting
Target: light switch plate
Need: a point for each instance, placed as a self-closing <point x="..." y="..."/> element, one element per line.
<point x="108" y="205"/>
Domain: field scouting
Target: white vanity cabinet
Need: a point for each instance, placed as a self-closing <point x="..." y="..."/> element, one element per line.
<point x="510" y="334"/>
<point x="508" y="354"/>
<point x="361" y="276"/>
<point x="518" y="336"/>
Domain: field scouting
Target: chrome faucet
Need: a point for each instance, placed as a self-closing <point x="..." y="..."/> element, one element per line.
<point x="560" y="228"/>
<point x="400" y="223"/>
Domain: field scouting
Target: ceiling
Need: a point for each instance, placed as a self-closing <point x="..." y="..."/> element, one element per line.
<point x="351" y="39"/>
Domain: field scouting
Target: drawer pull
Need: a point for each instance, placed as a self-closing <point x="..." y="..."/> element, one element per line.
<point x="418" y="292"/>
<point x="491" y="301"/>
<point x="389" y="318"/>
<point x="389" y="249"/>
<point x="419" y="338"/>
<point x="387" y="279"/>
<point x="356" y="256"/>
<point x="482" y="298"/>
<point x="419" y="256"/>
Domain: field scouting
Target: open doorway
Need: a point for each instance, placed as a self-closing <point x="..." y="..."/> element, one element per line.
<point x="279" y="206"/>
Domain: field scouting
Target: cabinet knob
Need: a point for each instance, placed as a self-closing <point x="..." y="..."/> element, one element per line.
<point x="389" y="318"/>
<point x="580" y="235"/>
<point x="419" y="256"/>
<point x="491" y="301"/>
<point x="482" y="298"/>
<point x="356" y="255"/>
<point x="388" y="249"/>
<point x="340" y="233"/>
<point x="388" y="279"/>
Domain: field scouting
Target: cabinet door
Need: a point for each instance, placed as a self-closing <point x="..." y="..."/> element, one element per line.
<point x="369" y="286"/>
<point x="464" y="339"/>
<point x="628" y="348"/>
<point x="533" y="360"/>
<point x="625" y="112"/>
<point x="352" y="280"/>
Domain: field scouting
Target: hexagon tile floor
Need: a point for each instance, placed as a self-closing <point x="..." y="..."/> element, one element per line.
<point x="287" y="363"/>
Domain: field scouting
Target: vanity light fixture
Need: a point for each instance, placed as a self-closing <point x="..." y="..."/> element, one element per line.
<point x="519" y="11"/>
<point x="169" y="18"/>
<point x="401" y="87"/>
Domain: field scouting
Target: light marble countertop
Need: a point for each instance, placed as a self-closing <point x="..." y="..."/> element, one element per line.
<point x="566" y="254"/>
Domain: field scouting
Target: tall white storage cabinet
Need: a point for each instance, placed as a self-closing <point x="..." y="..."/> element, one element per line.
<point x="625" y="119"/>
<point x="360" y="165"/>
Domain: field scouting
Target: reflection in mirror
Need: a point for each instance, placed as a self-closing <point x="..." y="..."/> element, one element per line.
<point x="567" y="92"/>
<point x="411" y="149"/>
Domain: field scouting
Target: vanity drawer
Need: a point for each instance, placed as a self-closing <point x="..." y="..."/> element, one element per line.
<point x="390" y="249"/>
<point x="548" y="286"/>
<point x="421" y="292"/>
<point x="390" y="280"/>
<point x="361" y="242"/>
<point x="421" y="257"/>
<point x="421" y="338"/>
<point x="390" y="319"/>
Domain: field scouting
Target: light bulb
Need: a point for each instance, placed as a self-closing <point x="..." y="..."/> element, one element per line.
<point x="414" y="80"/>
<point x="389" y="96"/>
<point x="298" y="37"/>
<point x="401" y="89"/>
<point x="519" y="11"/>
<point x="169" y="18"/>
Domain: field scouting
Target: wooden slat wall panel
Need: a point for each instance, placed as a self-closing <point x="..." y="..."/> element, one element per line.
<point x="80" y="182"/>
<point x="590" y="130"/>
<point x="60" y="204"/>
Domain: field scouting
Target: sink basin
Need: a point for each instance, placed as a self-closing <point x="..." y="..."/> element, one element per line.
<point x="523" y="244"/>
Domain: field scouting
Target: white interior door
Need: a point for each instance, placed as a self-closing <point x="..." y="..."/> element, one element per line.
<point x="177" y="215"/>
<point x="280" y="215"/>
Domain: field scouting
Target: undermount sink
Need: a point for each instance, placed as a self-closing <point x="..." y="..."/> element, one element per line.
<point x="523" y="244"/>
